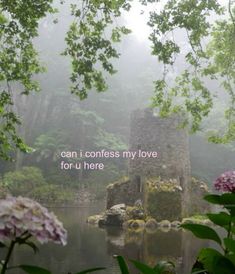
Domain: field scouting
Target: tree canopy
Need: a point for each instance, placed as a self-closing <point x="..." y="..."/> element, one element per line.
<point x="208" y="53"/>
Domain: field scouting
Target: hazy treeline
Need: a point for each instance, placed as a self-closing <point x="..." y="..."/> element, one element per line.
<point x="54" y="120"/>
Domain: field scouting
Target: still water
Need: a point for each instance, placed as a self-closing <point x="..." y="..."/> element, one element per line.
<point x="89" y="246"/>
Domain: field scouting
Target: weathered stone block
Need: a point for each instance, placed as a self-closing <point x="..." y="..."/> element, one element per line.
<point x="164" y="200"/>
<point x="123" y="191"/>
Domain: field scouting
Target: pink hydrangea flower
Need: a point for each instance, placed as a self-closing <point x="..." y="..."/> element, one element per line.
<point x="225" y="182"/>
<point x="19" y="216"/>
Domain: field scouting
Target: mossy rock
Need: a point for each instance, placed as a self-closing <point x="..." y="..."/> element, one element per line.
<point x="134" y="212"/>
<point x="197" y="219"/>
<point x="134" y="224"/>
<point x="94" y="220"/>
<point x="151" y="223"/>
<point x="138" y="224"/>
<point x="127" y="224"/>
<point x="156" y="184"/>
<point x="175" y="224"/>
<point x="165" y="223"/>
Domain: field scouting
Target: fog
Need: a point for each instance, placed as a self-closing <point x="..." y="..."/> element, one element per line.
<point x="54" y="120"/>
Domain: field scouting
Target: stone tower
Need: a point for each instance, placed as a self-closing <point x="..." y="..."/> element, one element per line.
<point x="151" y="133"/>
<point x="164" y="135"/>
<point x="163" y="184"/>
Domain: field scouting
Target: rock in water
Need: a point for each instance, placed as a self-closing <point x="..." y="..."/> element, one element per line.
<point x="115" y="216"/>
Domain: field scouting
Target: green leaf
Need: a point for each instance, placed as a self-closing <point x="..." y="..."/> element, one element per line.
<point x="223" y="265"/>
<point x="91" y="270"/>
<point x="222" y="219"/>
<point x="231" y="257"/>
<point x="230" y="244"/>
<point x="203" y="232"/>
<point x="228" y="199"/>
<point x="30" y="269"/>
<point x="208" y="257"/>
<point x="145" y="269"/>
<point x="122" y="264"/>
<point x="213" y="199"/>
<point x="215" y="263"/>
<point x="224" y="199"/>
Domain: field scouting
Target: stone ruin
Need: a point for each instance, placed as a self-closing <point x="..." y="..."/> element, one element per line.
<point x="163" y="185"/>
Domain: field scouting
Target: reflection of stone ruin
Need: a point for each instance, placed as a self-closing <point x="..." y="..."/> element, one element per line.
<point x="173" y="245"/>
<point x="164" y="184"/>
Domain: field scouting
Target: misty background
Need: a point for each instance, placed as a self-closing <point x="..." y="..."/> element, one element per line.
<point x="54" y="120"/>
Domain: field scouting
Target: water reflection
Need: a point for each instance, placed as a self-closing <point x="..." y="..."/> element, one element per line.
<point x="90" y="246"/>
<point x="174" y="245"/>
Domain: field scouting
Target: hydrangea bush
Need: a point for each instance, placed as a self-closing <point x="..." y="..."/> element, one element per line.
<point x="225" y="182"/>
<point x="22" y="216"/>
<point x="22" y="219"/>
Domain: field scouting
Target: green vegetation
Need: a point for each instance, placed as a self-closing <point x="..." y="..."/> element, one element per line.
<point x="23" y="181"/>
<point x="55" y="120"/>
<point x="29" y="182"/>
<point x="159" y="193"/>
<point x="90" y="44"/>
<point x="207" y="57"/>
<point x="35" y="129"/>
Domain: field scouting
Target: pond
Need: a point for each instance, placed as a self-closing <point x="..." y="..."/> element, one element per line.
<point x="90" y="246"/>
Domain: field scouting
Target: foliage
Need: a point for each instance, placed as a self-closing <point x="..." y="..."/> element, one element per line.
<point x="22" y="181"/>
<point x="30" y="182"/>
<point x="53" y="194"/>
<point x="215" y="61"/>
<point x="109" y="141"/>
<point x="88" y="46"/>
<point x="209" y="260"/>
<point x="212" y="261"/>
<point x="49" y="145"/>
<point x="161" y="268"/>
<point x="19" y="62"/>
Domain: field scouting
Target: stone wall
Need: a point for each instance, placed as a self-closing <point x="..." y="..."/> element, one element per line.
<point x="152" y="133"/>
<point x="198" y="191"/>
<point x="123" y="191"/>
<point x="164" y="199"/>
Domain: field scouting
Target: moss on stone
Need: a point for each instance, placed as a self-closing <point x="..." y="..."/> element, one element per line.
<point x="196" y="219"/>
<point x="164" y="204"/>
<point x="165" y="223"/>
<point x="134" y="224"/>
<point x="138" y="224"/>
<point x="93" y="220"/>
<point x="135" y="212"/>
<point x="151" y="223"/>
<point x="175" y="224"/>
<point x="156" y="184"/>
